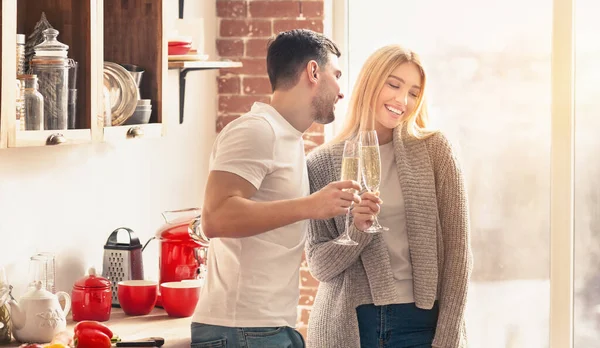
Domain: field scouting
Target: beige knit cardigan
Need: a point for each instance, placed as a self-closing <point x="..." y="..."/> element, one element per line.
<point x="437" y="223"/>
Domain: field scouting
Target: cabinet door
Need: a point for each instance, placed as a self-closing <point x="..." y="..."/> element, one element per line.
<point x="73" y="19"/>
<point x="143" y="45"/>
<point x="8" y="13"/>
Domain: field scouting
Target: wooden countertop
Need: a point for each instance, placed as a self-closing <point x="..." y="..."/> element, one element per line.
<point x="175" y="331"/>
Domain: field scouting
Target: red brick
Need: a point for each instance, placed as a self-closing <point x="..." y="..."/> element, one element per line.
<point x="256" y="48"/>
<point x="308" y="148"/>
<point x="314" y="139"/>
<point x="222" y="121"/>
<point x="239" y="103"/>
<point x="245" y="27"/>
<point x="307" y="296"/>
<point x="312" y="9"/>
<point x="316" y="128"/>
<point x="229" y="84"/>
<point x="280" y="9"/>
<point x="289" y="24"/>
<point x="257" y="85"/>
<point x="304" y="315"/>
<point x="230" y="47"/>
<point x="251" y="66"/>
<point x="231" y="9"/>
<point x="307" y="280"/>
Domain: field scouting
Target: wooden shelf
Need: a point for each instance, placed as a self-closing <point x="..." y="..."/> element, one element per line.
<point x="203" y="65"/>
<point x="197" y="65"/>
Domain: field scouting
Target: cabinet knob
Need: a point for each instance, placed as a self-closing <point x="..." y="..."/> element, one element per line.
<point x="56" y="139"/>
<point x="135" y="132"/>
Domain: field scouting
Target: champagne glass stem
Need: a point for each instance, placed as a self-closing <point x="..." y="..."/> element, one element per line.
<point x="344" y="238"/>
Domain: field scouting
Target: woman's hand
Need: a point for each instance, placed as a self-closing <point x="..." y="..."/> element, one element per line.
<point x="364" y="212"/>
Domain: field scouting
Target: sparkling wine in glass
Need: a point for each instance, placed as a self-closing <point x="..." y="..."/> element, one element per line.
<point x="350" y="171"/>
<point x="371" y="169"/>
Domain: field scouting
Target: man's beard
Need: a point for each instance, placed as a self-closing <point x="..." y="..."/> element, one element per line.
<point x="323" y="110"/>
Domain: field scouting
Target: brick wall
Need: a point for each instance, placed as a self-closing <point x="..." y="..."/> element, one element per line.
<point x="244" y="29"/>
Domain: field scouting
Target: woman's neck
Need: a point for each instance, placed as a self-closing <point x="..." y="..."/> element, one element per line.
<point x="384" y="135"/>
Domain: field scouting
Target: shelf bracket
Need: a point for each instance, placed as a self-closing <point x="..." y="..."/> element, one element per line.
<point x="182" y="75"/>
<point x="181" y="9"/>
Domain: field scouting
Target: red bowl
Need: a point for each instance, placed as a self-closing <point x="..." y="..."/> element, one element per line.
<point x="137" y="297"/>
<point x="179" y="43"/>
<point x="179" y="299"/>
<point x="179" y="50"/>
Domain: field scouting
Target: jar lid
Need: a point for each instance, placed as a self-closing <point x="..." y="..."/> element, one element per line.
<point x="51" y="47"/>
<point x="92" y="281"/>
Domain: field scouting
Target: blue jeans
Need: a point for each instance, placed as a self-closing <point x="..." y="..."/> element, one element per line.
<point x="212" y="336"/>
<point x="396" y="326"/>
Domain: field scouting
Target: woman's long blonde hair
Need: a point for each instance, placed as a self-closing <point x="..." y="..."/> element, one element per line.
<point x="378" y="67"/>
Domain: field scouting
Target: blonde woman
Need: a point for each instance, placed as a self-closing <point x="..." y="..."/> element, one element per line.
<point x="406" y="287"/>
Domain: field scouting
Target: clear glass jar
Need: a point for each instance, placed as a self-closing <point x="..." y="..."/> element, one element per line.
<point x="51" y="66"/>
<point x="34" y="103"/>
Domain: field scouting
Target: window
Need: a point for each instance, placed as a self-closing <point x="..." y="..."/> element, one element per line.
<point x="489" y="68"/>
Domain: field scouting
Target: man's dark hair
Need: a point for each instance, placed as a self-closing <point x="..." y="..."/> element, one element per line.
<point x="291" y="50"/>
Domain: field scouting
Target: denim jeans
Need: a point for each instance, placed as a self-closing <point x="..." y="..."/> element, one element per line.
<point x="212" y="336"/>
<point x="396" y="326"/>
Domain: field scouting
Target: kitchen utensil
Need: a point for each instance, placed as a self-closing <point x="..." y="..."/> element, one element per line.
<point x="123" y="92"/>
<point x="135" y="71"/>
<point x="38" y="315"/>
<point x="179" y="299"/>
<point x="137" y="297"/>
<point x="42" y="268"/>
<point x="179" y="50"/>
<point x="91" y="298"/>
<point x="144" y="342"/>
<point x="122" y="259"/>
<point x="182" y="246"/>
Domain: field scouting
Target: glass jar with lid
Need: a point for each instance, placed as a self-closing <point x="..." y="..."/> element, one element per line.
<point x="51" y="66"/>
<point x="33" y="103"/>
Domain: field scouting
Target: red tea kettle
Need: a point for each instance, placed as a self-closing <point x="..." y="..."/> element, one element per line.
<point x="182" y="246"/>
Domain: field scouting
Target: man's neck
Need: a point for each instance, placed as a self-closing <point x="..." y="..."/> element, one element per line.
<point x="293" y="108"/>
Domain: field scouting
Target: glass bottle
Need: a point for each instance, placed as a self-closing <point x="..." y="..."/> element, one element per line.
<point x="20" y="111"/>
<point x="34" y="103"/>
<point x="20" y="54"/>
<point x="51" y="66"/>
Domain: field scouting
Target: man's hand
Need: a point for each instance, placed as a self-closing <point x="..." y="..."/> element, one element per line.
<point x="333" y="200"/>
<point x="364" y="213"/>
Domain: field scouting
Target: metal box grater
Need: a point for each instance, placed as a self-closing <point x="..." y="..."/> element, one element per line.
<point x="122" y="261"/>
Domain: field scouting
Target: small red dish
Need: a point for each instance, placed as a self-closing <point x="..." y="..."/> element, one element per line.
<point x="179" y="43"/>
<point x="179" y="50"/>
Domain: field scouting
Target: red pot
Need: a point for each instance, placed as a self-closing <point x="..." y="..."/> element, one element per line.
<point x="91" y="298"/>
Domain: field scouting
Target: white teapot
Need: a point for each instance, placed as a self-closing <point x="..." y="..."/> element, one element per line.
<point x="38" y="315"/>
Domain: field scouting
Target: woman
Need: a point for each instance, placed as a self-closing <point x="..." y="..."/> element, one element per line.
<point x="406" y="287"/>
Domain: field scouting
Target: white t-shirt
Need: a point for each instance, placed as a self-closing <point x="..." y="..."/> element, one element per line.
<point x="254" y="281"/>
<point x="393" y="216"/>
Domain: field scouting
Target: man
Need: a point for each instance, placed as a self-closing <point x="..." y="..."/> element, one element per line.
<point x="257" y="201"/>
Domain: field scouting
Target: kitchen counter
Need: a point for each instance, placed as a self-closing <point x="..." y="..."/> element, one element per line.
<point x="175" y="331"/>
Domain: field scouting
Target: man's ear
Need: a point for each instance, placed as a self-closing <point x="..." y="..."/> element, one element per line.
<point x="312" y="71"/>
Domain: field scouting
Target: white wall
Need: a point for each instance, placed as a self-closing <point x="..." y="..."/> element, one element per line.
<point x="68" y="199"/>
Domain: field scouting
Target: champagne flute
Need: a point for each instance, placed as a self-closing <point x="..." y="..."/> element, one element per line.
<point x="350" y="171"/>
<point x="371" y="169"/>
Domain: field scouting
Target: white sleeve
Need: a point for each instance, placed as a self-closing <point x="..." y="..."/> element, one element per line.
<point x="246" y="150"/>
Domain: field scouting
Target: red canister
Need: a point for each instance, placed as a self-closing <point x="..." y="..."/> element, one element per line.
<point x="91" y="298"/>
